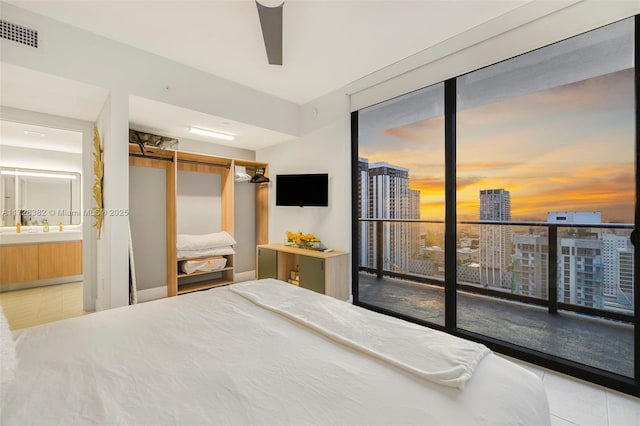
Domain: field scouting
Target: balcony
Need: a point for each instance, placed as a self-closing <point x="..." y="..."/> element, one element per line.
<point x="520" y="309"/>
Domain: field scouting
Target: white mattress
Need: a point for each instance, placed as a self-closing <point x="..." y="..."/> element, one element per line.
<point x="214" y="357"/>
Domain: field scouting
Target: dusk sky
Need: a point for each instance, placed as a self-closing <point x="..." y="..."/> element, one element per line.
<point x="570" y="148"/>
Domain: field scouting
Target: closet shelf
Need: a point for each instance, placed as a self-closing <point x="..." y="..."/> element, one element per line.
<point x="202" y="285"/>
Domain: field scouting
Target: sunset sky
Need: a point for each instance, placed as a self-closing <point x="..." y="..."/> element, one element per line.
<point x="570" y="148"/>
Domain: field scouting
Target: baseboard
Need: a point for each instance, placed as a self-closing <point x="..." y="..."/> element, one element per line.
<point x="152" y="294"/>
<point x="40" y="283"/>
<point x="244" y="276"/>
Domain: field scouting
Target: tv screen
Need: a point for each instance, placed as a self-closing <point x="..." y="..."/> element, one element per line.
<point x="302" y="190"/>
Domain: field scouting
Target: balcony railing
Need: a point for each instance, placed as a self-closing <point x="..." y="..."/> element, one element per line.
<point x="548" y="230"/>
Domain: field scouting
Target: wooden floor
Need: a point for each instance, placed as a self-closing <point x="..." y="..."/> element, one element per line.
<point x="26" y="308"/>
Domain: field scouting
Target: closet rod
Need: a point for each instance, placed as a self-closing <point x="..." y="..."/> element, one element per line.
<point x="151" y="157"/>
<point x="204" y="163"/>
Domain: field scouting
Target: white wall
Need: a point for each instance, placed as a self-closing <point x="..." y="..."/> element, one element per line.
<point x="324" y="148"/>
<point x="113" y="246"/>
<point x="198" y="203"/>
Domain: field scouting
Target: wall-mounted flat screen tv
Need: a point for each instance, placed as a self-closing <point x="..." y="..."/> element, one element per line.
<point x="302" y="190"/>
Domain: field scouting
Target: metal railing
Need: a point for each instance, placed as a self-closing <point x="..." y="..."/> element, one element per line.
<point x="551" y="302"/>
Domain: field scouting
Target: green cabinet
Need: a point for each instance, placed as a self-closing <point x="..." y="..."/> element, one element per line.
<point x="311" y="273"/>
<point x="267" y="263"/>
<point x="326" y="273"/>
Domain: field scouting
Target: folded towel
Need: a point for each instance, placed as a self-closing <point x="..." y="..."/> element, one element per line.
<point x="204" y="241"/>
<point x="218" y="251"/>
<point x="433" y="355"/>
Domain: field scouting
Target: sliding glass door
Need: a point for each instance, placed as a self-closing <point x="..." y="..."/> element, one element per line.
<point x="545" y="152"/>
<point x="540" y="184"/>
<point x="400" y="218"/>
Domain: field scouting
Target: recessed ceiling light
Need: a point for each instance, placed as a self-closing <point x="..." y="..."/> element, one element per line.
<point x="211" y="133"/>
<point x="31" y="133"/>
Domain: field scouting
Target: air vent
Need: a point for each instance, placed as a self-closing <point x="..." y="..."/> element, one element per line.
<point x="19" y="34"/>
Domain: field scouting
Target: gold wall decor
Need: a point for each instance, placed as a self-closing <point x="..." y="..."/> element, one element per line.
<point x="98" y="173"/>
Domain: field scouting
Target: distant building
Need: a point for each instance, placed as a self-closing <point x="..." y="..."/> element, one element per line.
<point x="625" y="291"/>
<point x="581" y="272"/>
<point x="414" y="228"/>
<point x="574" y="217"/>
<point x="366" y="229"/>
<point x="495" y="240"/>
<point x="384" y="194"/>
<point x="530" y="272"/>
<point x="611" y="258"/>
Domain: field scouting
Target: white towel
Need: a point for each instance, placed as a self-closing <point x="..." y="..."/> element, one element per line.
<point x="204" y="241"/>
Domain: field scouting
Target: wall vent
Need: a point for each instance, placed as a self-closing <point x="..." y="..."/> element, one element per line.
<point x="18" y="33"/>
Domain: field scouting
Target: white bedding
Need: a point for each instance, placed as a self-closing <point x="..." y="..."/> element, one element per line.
<point x="430" y="354"/>
<point x="214" y="357"/>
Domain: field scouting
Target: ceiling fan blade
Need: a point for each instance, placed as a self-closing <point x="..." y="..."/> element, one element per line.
<point x="271" y="23"/>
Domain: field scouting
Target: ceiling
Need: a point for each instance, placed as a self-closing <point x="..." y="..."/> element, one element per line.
<point x="170" y="120"/>
<point x="31" y="90"/>
<point x="38" y="137"/>
<point x="327" y="45"/>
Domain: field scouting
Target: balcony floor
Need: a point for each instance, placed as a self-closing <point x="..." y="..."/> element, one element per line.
<point x="597" y="342"/>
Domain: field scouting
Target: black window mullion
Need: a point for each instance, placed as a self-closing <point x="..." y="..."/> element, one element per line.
<point x="355" y="224"/>
<point x="450" y="278"/>
<point x="636" y="251"/>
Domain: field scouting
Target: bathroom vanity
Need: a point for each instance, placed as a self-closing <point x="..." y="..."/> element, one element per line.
<point x="36" y="259"/>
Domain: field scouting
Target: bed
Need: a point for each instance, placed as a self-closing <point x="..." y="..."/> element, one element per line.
<point x="261" y="352"/>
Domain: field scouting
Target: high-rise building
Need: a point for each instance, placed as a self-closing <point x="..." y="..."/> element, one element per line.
<point x="495" y="240"/>
<point x="611" y="259"/>
<point x="414" y="228"/>
<point x="625" y="291"/>
<point x="580" y="272"/>
<point x="530" y="272"/>
<point x="384" y="194"/>
<point x="365" y="228"/>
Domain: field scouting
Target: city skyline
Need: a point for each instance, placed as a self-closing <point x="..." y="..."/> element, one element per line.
<point x="575" y="152"/>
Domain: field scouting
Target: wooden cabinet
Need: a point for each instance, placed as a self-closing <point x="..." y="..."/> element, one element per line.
<point x="59" y="259"/>
<point x="175" y="162"/>
<point x="18" y="263"/>
<point x="31" y="262"/>
<point x="326" y="273"/>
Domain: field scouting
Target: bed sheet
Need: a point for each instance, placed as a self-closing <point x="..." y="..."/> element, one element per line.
<point x="214" y="357"/>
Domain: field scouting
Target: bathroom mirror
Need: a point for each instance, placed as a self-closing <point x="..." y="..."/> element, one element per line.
<point x="30" y="196"/>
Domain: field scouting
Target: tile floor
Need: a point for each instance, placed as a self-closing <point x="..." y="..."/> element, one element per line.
<point x="572" y="401"/>
<point x="575" y="402"/>
<point x="26" y="308"/>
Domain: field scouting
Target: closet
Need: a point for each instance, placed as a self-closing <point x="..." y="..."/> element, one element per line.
<point x="198" y="197"/>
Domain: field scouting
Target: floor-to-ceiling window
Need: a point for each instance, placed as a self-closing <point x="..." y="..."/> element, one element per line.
<point x="545" y="199"/>
<point x="401" y="203"/>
